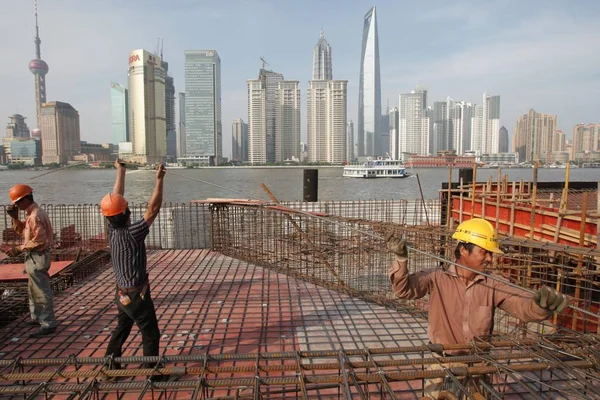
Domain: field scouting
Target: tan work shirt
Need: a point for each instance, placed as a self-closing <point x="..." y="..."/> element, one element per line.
<point x="459" y="312"/>
<point x="36" y="229"/>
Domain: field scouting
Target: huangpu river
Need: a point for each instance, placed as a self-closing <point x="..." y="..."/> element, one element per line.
<point x="86" y="186"/>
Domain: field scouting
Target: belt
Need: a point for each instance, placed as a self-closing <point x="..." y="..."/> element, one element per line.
<point x="37" y="251"/>
<point x="134" y="289"/>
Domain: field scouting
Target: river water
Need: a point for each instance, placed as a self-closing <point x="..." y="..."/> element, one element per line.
<point x="71" y="186"/>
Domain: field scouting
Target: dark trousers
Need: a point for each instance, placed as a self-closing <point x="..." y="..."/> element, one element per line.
<point x="141" y="311"/>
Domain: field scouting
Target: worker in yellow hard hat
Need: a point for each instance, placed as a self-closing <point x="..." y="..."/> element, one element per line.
<point x="38" y="237"/>
<point x="126" y="240"/>
<point x="462" y="303"/>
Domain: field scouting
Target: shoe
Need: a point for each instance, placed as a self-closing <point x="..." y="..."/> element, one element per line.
<point x="32" y="323"/>
<point x="44" y="331"/>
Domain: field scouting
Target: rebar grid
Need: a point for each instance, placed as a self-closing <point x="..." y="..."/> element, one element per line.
<point x="14" y="297"/>
<point x="551" y="367"/>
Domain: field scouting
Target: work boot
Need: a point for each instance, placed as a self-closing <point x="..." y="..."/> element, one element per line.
<point x="32" y="322"/>
<point x="44" y="331"/>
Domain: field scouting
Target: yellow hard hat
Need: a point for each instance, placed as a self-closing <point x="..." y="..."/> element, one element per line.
<point x="479" y="232"/>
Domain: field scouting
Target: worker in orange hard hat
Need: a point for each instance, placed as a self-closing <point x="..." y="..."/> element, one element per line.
<point x="128" y="252"/>
<point x="37" y="234"/>
<point x="462" y="303"/>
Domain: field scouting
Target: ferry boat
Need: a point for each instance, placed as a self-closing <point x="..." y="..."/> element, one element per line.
<point x="379" y="168"/>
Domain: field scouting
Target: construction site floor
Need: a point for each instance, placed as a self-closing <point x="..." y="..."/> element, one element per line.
<point x="207" y="303"/>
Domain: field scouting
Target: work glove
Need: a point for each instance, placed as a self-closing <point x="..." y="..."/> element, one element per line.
<point x="550" y="299"/>
<point x="12" y="211"/>
<point x="397" y="246"/>
<point x="13" y="252"/>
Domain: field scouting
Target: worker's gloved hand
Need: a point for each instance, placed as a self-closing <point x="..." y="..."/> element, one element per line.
<point x="12" y="211"/>
<point x="13" y="252"/>
<point x="550" y="299"/>
<point x="397" y="246"/>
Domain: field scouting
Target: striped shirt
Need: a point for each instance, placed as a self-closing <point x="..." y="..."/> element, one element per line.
<point x="128" y="253"/>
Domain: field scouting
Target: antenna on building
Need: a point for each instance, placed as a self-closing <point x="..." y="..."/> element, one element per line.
<point x="157" y="50"/>
<point x="161" y="48"/>
<point x="264" y="63"/>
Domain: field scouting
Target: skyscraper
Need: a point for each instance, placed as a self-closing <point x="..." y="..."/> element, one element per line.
<point x="322" y="68"/>
<point x="350" y="141"/>
<point x="204" y="131"/>
<point x="39" y="69"/>
<point x="287" y="121"/>
<point x="170" y="112"/>
<point x="486" y="126"/>
<point x="463" y="115"/>
<point x="17" y="127"/>
<point x="491" y="113"/>
<point x="503" y="138"/>
<point x="327" y="111"/>
<point x="147" y="124"/>
<point x="119" y="113"/>
<point x="369" y="90"/>
<point x="413" y="124"/>
<point x="239" y="140"/>
<point x="394" y="131"/>
<point x="270" y="81"/>
<point x="181" y="141"/>
<point x="257" y="122"/>
<point x="534" y="136"/>
<point x="61" y="139"/>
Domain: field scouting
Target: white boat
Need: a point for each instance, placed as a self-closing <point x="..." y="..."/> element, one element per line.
<point x="379" y="168"/>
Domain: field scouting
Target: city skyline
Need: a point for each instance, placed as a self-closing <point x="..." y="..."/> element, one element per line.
<point x="504" y="61"/>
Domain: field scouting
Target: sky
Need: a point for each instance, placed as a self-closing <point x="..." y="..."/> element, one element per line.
<point x="534" y="54"/>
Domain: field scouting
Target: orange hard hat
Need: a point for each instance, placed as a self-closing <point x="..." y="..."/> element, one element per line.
<point x="19" y="191"/>
<point x="113" y="204"/>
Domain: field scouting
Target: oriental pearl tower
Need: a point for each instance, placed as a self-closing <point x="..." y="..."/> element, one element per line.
<point x="39" y="69"/>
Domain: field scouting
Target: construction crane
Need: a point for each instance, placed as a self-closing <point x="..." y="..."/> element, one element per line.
<point x="264" y="63"/>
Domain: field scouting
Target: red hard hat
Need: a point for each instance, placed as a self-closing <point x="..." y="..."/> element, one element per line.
<point x="113" y="204"/>
<point x="19" y="191"/>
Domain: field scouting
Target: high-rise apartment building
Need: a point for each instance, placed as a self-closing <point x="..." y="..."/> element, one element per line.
<point x="204" y="138"/>
<point x="147" y="110"/>
<point x="181" y="139"/>
<point x="441" y="138"/>
<point x="287" y="121"/>
<point x="17" y="127"/>
<point x="394" y="124"/>
<point x="61" y="138"/>
<point x="413" y="124"/>
<point x="350" y="155"/>
<point x="369" y="90"/>
<point x="503" y="138"/>
<point x="119" y="113"/>
<point x="322" y="69"/>
<point x="327" y="118"/>
<point x="170" y="113"/>
<point x="270" y="81"/>
<point x="257" y="122"/>
<point x="585" y="138"/>
<point x="239" y="140"/>
<point x="561" y="141"/>
<point x="463" y="114"/>
<point x="485" y="128"/>
<point x="534" y="136"/>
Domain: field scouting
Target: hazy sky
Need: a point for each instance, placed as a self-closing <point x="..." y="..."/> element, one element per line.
<point x="534" y="54"/>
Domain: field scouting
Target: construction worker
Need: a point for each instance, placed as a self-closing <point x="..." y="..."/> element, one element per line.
<point x="128" y="254"/>
<point x="37" y="235"/>
<point x="461" y="302"/>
